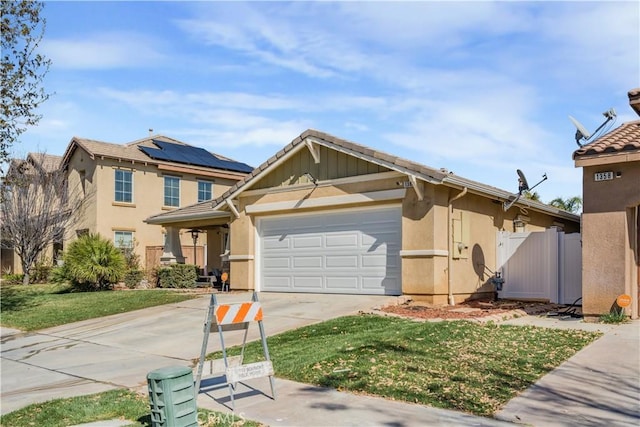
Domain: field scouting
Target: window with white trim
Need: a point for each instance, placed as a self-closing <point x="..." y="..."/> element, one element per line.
<point x="124" y="186"/>
<point x="171" y="191"/>
<point x="204" y="190"/>
<point x="123" y="239"/>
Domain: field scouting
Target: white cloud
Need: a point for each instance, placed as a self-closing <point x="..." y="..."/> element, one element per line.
<point x="103" y="51"/>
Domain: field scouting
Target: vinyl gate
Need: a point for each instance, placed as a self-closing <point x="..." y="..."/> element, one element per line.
<point x="543" y="265"/>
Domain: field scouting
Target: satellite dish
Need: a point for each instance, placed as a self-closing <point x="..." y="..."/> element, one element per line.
<point x="581" y="131"/>
<point x="523" y="185"/>
<point x="583" y="134"/>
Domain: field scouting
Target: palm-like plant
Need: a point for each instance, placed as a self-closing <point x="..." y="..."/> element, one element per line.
<point x="92" y="262"/>
<point x="572" y="204"/>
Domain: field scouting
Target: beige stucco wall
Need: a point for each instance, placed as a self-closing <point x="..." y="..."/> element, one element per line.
<point x="609" y="236"/>
<point x="425" y="228"/>
<point x="103" y="215"/>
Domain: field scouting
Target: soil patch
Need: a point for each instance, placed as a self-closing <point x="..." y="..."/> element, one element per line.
<point x="472" y="310"/>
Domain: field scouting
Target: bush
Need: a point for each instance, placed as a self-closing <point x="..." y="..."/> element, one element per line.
<point x="93" y="263"/>
<point x="59" y="274"/>
<point x="133" y="277"/>
<point x="41" y="271"/>
<point x="614" y="316"/>
<point x="13" y="278"/>
<point x="177" y="276"/>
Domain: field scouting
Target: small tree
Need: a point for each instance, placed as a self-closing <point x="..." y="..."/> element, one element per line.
<point x="572" y="204"/>
<point x="94" y="263"/>
<point x="35" y="209"/>
<point x="22" y="70"/>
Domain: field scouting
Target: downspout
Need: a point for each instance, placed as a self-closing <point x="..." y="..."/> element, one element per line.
<point x="450" y="243"/>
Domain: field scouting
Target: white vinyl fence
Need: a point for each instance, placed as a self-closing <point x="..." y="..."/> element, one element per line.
<point x="545" y="265"/>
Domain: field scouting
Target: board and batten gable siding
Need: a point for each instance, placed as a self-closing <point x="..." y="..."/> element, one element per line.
<point x="333" y="165"/>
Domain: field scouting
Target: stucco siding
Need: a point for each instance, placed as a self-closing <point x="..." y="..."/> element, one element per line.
<point x="603" y="255"/>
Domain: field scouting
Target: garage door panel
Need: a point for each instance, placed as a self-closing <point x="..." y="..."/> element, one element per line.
<point x="275" y="243"/>
<point x="308" y="282"/>
<point x="302" y="242"/>
<point x="374" y="261"/>
<point x="278" y="262"/>
<point x="347" y="261"/>
<point x="307" y="262"/>
<point x="346" y="282"/>
<point x="342" y="240"/>
<point x="373" y="283"/>
<point x="280" y="282"/>
<point x="345" y="252"/>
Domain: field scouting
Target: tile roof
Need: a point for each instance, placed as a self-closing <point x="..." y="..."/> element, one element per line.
<point x="48" y="162"/>
<point x="428" y="174"/>
<point x="622" y="139"/>
<point x="129" y="151"/>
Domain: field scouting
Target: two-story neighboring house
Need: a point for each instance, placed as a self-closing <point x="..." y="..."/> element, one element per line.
<point x="122" y="184"/>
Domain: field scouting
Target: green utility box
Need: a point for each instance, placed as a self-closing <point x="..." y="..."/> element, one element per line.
<point x="172" y="397"/>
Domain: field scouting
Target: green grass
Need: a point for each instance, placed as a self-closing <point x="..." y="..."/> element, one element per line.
<point x="454" y="365"/>
<point x="615" y="316"/>
<point x="115" y="404"/>
<point x="35" y="307"/>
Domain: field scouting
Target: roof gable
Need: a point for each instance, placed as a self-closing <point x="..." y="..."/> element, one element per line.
<point x="312" y="139"/>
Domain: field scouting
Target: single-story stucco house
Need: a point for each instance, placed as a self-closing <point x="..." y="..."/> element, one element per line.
<point x="326" y="215"/>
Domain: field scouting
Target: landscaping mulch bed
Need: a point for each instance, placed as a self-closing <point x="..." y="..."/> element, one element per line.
<point x="472" y="310"/>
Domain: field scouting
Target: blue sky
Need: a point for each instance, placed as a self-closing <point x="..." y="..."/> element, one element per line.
<point x="480" y="88"/>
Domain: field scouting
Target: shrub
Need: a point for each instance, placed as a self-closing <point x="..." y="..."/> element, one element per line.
<point x="614" y="316"/>
<point x="59" y="274"/>
<point x="13" y="278"/>
<point x="177" y="276"/>
<point x="41" y="271"/>
<point x="93" y="263"/>
<point x="133" y="277"/>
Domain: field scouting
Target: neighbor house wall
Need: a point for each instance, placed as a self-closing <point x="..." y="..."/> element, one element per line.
<point x="102" y="214"/>
<point x="608" y="250"/>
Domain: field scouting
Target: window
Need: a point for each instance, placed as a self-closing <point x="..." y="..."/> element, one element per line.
<point x="204" y="190"/>
<point x="124" y="186"/>
<point x="123" y="239"/>
<point x="171" y="191"/>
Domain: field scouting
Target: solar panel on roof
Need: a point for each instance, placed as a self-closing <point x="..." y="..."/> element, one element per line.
<point x="189" y="155"/>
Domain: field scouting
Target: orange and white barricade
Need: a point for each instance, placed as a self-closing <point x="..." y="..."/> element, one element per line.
<point x="235" y="317"/>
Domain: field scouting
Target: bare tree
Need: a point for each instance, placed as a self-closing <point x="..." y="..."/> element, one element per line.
<point x="36" y="208"/>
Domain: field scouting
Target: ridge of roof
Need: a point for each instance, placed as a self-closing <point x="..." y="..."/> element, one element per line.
<point x="421" y="171"/>
<point x="625" y="137"/>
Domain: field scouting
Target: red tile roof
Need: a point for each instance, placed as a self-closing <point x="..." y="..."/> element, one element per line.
<point x="622" y="139"/>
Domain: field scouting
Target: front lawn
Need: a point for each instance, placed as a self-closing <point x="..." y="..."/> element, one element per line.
<point x="454" y="365"/>
<point x="35" y="307"/>
<point x="110" y="405"/>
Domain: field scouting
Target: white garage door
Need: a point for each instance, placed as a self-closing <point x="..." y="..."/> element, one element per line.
<point x="347" y="252"/>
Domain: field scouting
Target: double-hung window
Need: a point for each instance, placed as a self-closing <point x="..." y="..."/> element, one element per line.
<point x="123" y="239"/>
<point x="124" y="186"/>
<point x="171" y="191"/>
<point x="204" y="190"/>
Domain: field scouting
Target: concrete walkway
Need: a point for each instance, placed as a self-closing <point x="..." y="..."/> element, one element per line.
<point x="598" y="386"/>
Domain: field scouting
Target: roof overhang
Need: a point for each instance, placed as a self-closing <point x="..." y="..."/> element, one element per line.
<point x="222" y="217"/>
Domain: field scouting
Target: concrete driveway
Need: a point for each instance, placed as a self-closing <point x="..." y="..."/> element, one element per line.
<point x="118" y="351"/>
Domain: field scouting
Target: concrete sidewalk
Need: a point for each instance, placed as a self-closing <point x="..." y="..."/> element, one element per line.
<point x="599" y="386"/>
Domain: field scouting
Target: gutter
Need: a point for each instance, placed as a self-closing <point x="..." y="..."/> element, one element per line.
<point x="450" y="243"/>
